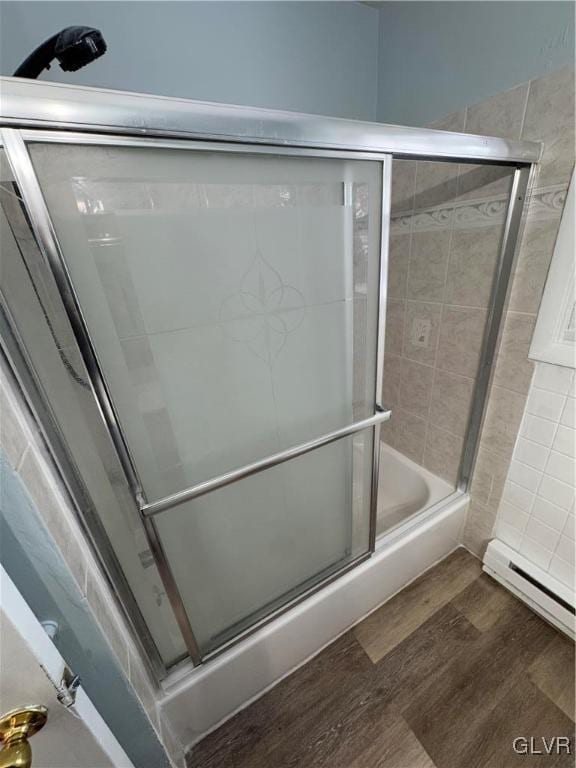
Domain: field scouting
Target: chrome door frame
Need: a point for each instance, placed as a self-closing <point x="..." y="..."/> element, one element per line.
<point x="15" y="143"/>
<point x="94" y="116"/>
<point x="37" y="104"/>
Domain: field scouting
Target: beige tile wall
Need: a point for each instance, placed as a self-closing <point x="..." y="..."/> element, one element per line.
<point x="24" y="449"/>
<point x="445" y="236"/>
<point x="541" y="110"/>
<point x="444" y="278"/>
<point x="547" y="116"/>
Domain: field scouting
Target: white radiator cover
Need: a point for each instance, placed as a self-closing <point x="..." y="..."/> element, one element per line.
<point x="537" y="588"/>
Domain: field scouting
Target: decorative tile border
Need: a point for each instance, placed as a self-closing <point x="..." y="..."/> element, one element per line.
<point x="544" y="203"/>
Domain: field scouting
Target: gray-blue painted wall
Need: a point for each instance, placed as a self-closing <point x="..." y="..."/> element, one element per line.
<point x="405" y="62"/>
<point x="438" y="57"/>
<point x="319" y="57"/>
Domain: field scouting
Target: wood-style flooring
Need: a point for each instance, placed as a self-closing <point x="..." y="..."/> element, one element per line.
<point x="446" y="674"/>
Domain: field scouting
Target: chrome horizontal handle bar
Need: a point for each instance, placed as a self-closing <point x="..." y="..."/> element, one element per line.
<point x="175" y="499"/>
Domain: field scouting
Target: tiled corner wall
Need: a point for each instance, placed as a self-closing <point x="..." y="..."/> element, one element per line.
<point x="542" y="110"/>
<point x="536" y="513"/>
<point x="446" y="228"/>
<point x="23" y="449"/>
<point x="445" y="220"/>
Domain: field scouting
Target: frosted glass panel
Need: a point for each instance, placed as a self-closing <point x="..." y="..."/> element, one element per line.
<point x="240" y="551"/>
<point x="232" y="304"/>
<point x="226" y="294"/>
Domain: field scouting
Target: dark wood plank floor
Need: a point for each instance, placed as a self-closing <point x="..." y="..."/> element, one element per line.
<point x="445" y="675"/>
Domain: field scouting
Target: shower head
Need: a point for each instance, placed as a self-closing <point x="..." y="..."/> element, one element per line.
<point x="74" y="47"/>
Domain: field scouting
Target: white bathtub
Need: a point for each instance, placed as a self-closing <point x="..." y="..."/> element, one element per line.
<point x="405" y="488"/>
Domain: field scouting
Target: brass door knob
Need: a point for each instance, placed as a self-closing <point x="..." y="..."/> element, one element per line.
<point x="15" y="728"/>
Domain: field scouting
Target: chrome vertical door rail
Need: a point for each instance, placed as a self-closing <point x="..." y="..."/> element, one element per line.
<point x="25" y="177"/>
<point x="381" y="336"/>
<point x="508" y="251"/>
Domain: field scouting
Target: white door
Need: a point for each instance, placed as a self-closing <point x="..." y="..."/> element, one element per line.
<point x="31" y="668"/>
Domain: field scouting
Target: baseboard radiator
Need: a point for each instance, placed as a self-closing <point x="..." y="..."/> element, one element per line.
<point x="546" y="595"/>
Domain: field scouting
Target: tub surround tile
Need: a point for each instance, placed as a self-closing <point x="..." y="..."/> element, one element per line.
<point x="50" y="505"/>
<point x="454" y="121"/>
<point x="451" y="399"/>
<point x="403" y="182"/>
<point x="483" y="182"/>
<point x="143" y="688"/>
<point x="479" y="527"/>
<point x="398" y="258"/>
<point x="513" y="368"/>
<point x="460" y="342"/>
<point x="415" y="387"/>
<point x="436" y="184"/>
<point x="473" y="256"/>
<point x="391" y="380"/>
<point x="502" y="421"/>
<point x="547" y="106"/>
<point x="443" y="453"/>
<point x="395" y="317"/>
<point x="406" y="433"/>
<point x="550" y="119"/>
<point x="428" y="262"/>
<point x="532" y="266"/>
<point x="489" y="477"/>
<point x="500" y="115"/>
<point x="421" y="331"/>
<point x="103" y="612"/>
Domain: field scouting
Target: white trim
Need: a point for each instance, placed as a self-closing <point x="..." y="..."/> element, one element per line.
<point x="49" y="658"/>
<point x="497" y="561"/>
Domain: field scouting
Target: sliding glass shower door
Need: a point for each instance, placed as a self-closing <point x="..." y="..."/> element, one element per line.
<point x="230" y="302"/>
